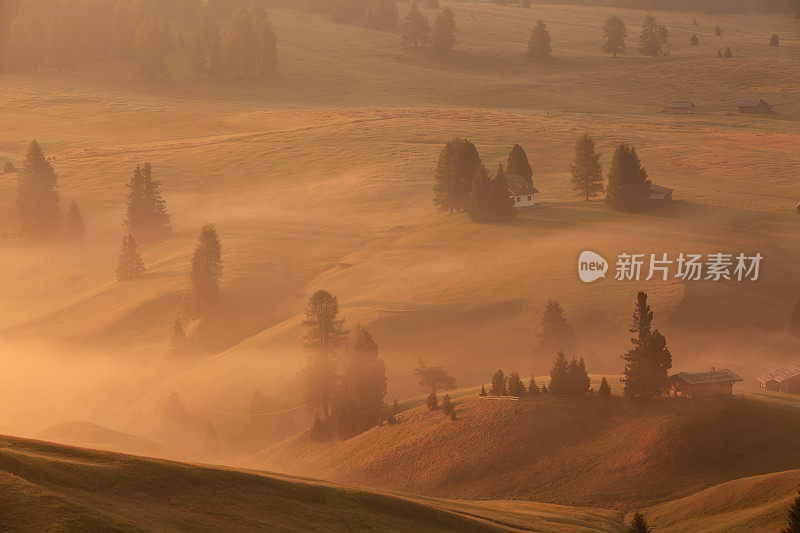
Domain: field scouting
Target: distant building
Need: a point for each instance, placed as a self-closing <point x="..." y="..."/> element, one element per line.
<point x="525" y="195"/>
<point x="660" y="194"/>
<point x="784" y="379"/>
<point x="680" y="107"/>
<point x="754" y="105"/>
<point x="703" y="385"/>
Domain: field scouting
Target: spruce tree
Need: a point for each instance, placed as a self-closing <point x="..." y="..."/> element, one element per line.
<point x="515" y="386"/>
<point x="130" y="264"/>
<point x="206" y="272"/>
<point x="638" y="524"/>
<point x="793" y="518"/>
<point x="146" y="212"/>
<point x="533" y="388"/>
<point x="614" y="35"/>
<point x="74" y="226"/>
<point x="517" y="164"/>
<point x="627" y="186"/>
<point x="556" y="333"/>
<point x="268" y="47"/>
<point x="60" y="45"/>
<point x="605" y="389"/>
<point x="241" y="45"/>
<point x="37" y="203"/>
<point x="443" y="36"/>
<point x="179" y="344"/>
<point x="447" y="406"/>
<point x="502" y="204"/>
<point x="694" y="40"/>
<point x="774" y="40"/>
<point x="653" y="37"/>
<point x="586" y="169"/>
<point x="483" y="391"/>
<point x="539" y="43"/>
<point x="728" y="52"/>
<point x="578" y="381"/>
<point x="718" y="31"/>
<point x="559" y="380"/>
<point x="453" y="174"/>
<point x="415" y="30"/>
<point x="648" y="361"/>
<point x="499" y="386"/>
<point x="481" y="197"/>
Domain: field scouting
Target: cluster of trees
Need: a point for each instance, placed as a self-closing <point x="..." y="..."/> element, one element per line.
<point x="432" y="379"/>
<point x="651" y="39"/>
<point x="345" y="384"/>
<point x="38" y="206"/>
<point x="648" y="361"/>
<point x="512" y="385"/>
<point x="567" y="378"/>
<point x="416" y="30"/>
<point x="380" y="14"/>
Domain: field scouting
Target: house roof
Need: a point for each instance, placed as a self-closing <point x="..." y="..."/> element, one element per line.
<point x="751" y="102"/>
<point x="519" y="185"/>
<point x="713" y="376"/>
<point x="681" y="105"/>
<point x="659" y="189"/>
<point x="781" y="374"/>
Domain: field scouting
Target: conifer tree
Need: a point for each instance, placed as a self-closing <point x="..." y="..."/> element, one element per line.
<point x="533" y="388"/>
<point x="150" y="48"/>
<point x="268" y="47"/>
<point x="203" y="40"/>
<point x="179" y="344"/>
<point x="587" y="171"/>
<point x="74" y="226"/>
<point x="324" y="336"/>
<point x="382" y="14"/>
<point x="483" y="391"/>
<point x="130" y="264"/>
<point x="452" y="177"/>
<point x="638" y="524"/>
<point x="37" y="202"/>
<point x="718" y="31"/>
<point x="559" y="380"/>
<point x="515" y="386"/>
<point x="146" y="212"/>
<point x="481" y="197"/>
<point x="556" y="332"/>
<point x="503" y="205"/>
<point x="241" y="45"/>
<point x="206" y="272"/>
<point x="653" y="37"/>
<point x="728" y="52"/>
<point x="605" y="389"/>
<point x="517" y="164"/>
<point x="614" y="35"/>
<point x="499" y="385"/>
<point x="443" y="35"/>
<point x="774" y="40"/>
<point x="694" y="40"/>
<point x="415" y="30"/>
<point x="648" y="361"/>
<point x="447" y="406"/>
<point x="793" y="518"/>
<point x="545" y="390"/>
<point x="539" y="43"/>
<point x="628" y="187"/>
<point x="578" y="381"/>
<point x="60" y="45"/>
<point x="719" y="53"/>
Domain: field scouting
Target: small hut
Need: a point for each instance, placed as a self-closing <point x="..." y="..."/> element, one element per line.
<point x="713" y="384"/>
<point x="754" y="105"/>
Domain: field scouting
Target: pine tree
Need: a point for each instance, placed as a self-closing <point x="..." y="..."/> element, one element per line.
<point x="614" y="35"/>
<point x="545" y="390"/>
<point x="605" y="389"/>
<point x="150" y="48"/>
<point x="517" y="164"/>
<point x="74" y="226"/>
<point x="324" y="336"/>
<point x="556" y="332"/>
<point x="130" y="264"/>
<point x="206" y="272"/>
<point x="179" y="344"/>
<point x="539" y="43"/>
<point x="447" y="406"/>
<point x="728" y="52"/>
<point x="483" y="391"/>
<point x="587" y="171"/>
<point x="146" y="212"/>
<point x="453" y="174"/>
<point x="578" y="381"/>
<point x="502" y="205"/>
<point x="653" y="37"/>
<point x="60" y="45"/>
<point x="443" y="36"/>
<point x="481" y="197"/>
<point x="415" y="30"/>
<point x="382" y="14"/>
<point x="241" y="45"/>
<point x="694" y="40"/>
<point x="793" y="518"/>
<point x="37" y="201"/>
<point x="774" y="40"/>
<point x="719" y="53"/>
<point x="499" y="385"/>
<point x="648" y="361"/>
<point x="638" y="524"/>
<point x="515" y="386"/>
<point x="559" y="380"/>
<point x="268" y="47"/>
<point x="627" y="188"/>
<point x="718" y="31"/>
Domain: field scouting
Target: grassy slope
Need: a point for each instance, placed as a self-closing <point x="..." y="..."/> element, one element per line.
<point x="89" y="435"/>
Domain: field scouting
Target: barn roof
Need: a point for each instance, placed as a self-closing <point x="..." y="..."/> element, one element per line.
<point x="781" y="374"/>
<point x="659" y="189"/>
<point x="713" y="376"/>
<point x="681" y="105"/>
<point x="519" y="185"/>
<point x="751" y="102"/>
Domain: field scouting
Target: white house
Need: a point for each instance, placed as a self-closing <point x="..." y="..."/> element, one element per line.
<point x="525" y="195"/>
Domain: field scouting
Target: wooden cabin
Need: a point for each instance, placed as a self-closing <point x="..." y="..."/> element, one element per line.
<point x="659" y="194"/>
<point x="680" y="107"/>
<point x="713" y="384"/>
<point x="784" y="379"/>
<point x="754" y="105"/>
<point x="525" y="195"/>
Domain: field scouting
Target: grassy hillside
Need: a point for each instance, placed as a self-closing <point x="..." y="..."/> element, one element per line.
<point x="88" y="435"/>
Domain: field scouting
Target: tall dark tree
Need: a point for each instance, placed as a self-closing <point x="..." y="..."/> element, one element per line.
<point x="130" y="264"/>
<point x="718" y="31"/>
<point x="774" y="40"/>
<point x="37" y="203"/>
<point x="653" y="37"/>
<point x="614" y="35"/>
<point x="503" y="204"/>
<point x="452" y="177"/>
<point x="499" y="384"/>
<point x="577" y="378"/>
<point x="638" y="524"/>
<point x="489" y="199"/>
<point x="415" y="30"/>
<point x="793" y="518"/>
<point x="559" y="378"/>
<point x="150" y="48"/>
<point x="517" y="164"/>
<point x="533" y="388"/>
<point x="432" y="379"/>
<point x="627" y="187"/>
<point x="515" y="385"/>
<point x="240" y="45"/>
<point x="648" y="361"/>
<point x="146" y="212"/>
<point x="694" y="41"/>
<point x="605" y="389"/>
<point x="382" y="14"/>
<point x="586" y="169"/>
<point x="443" y="35"/>
<point x="268" y="47"/>
<point x="179" y="344"/>
<point x="324" y="337"/>
<point x="73" y="225"/>
<point x="539" y="43"/>
<point x="206" y="271"/>
<point x="556" y="332"/>
<point x="728" y="52"/>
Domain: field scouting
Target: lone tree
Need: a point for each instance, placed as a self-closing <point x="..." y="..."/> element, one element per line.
<point x="605" y="389"/>
<point x="539" y="43"/>
<point x="415" y="30"/>
<point x="718" y="31"/>
<point x="179" y="344"/>
<point x="638" y="524"/>
<point x="614" y="35"/>
<point x="499" y="384"/>
<point x="586" y="169"/>
<point x="793" y="520"/>
<point x="648" y="361"/>
<point x="432" y="380"/>
<point x="130" y="264"/>
<point x="518" y="164"/>
<point x="559" y="383"/>
<point x="653" y="37"/>
<point x="728" y="52"/>
<point x="206" y="272"/>
<point x="74" y="226"/>
<point x="694" y="40"/>
<point x="146" y="213"/>
<point x="325" y="335"/>
<point x="627" y="187"/>
<point x="556" y="333"/>
<point x="489" y="199"/>
<point x="774" y="40"/>
<point x="443" y="36"/>
<point x="452" y="177"/>
<point x="37" y="203"/>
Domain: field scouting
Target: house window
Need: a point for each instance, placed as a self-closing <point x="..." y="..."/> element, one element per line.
<point x="529" y="198"/>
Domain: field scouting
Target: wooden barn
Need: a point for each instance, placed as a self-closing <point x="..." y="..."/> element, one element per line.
<point x="680" y="107"/>
<point x="784" y="379"/>
<point x="754" y="105"/>
<point x="713" y="384"/>
<point x="659" y="194"/>
<point x="524" y="194"/>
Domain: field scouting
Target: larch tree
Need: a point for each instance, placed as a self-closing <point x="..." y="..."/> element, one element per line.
<point x="74" y="227"/>
<point x="605" y="389"/>
<point x="241" y="49"/>
<point x="586" y="169"/>
<point x="206" y="270"/>
<point x="793" y="518"/>
<point x="614" y="35"/>
<point x="146" y="212"/>
<point x="324" y="337"/>
<point x="179" y="343"/>
<point x="559" y="379"/>
<point x="694" y="40"/>
<point x="648" y="361"/>
<point x="443" y="35"/>
<point x="453" y="174"/>
<point x="638" y="524"/>
<point x="415" y="30"/>
<point x="499" y="384"/>
<point x="129" y="265"/>
<point x="653" y="37"/>
<point x="556" y="333"/>
<point x="518" y="164"/>
<point x="515" y="385"/>
<point x="37" y="203"/>
<point x="539" y="43"/>
<point x="627" y="186"/>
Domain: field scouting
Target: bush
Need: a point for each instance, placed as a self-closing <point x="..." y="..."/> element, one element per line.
<point x="432" y="402"/>
<point x="447" y="406"/>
